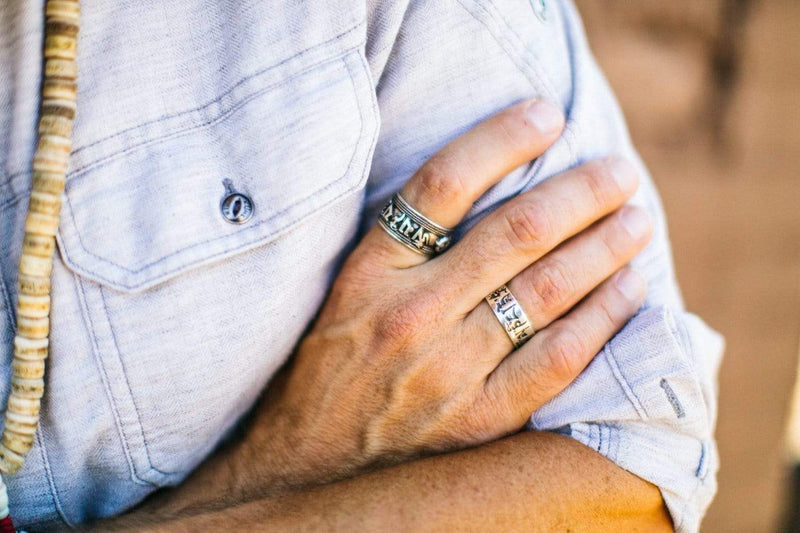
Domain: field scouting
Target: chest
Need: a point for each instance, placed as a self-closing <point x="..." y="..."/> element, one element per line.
<point x="219" y="157"/>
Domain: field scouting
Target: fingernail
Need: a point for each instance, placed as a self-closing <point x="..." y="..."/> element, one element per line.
<point x="635" y="221"/>
<point x="631" y="284"/>
<point x="624" y="173"/>
<point x="545" y="117"/>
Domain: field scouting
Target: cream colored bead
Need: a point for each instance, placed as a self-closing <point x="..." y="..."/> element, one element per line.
<point x="60" y="46"/>
<point x="53" y="88"/>
<point x="61" y="68"/>
<point x="63" y="9"/>
<point x="33" y="285"/>
<point x="33" y="265"/>
<point x="54" y="146"/>
<point x="55" y="158"/>
<point x="22" y="424"/>
<point x="31" y="349"/>
<point x="39" y="245"/>
<point x="20" y="444"/>
<point x="24" y="406"/>
<point x="49" y="182"/>
<point x="33" y="306"/>
<point x="60" y="107"/>
<point x="61" y="27"/>
<point x="50" y="162"/>
<point x="45" y="203"/>
<point x="41" y="225"/>
<point x="33" y="328"/>
<point x="27" y="369"/>
<point x="9" y="461"/>
<point x="27" y="388"/>
<point x="55" y="125"/>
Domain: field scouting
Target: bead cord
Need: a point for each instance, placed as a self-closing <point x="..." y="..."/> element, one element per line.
<point x="50" y="162"/>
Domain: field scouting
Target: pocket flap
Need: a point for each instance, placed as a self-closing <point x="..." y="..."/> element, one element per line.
<point x="293" y="144"/>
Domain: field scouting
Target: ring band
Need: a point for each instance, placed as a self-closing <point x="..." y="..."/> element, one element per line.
<point x="413" y="229"/>
<point x="511" y="316"/>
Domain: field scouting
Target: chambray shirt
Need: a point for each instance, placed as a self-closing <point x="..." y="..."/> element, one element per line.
<point x="168" y="321"/>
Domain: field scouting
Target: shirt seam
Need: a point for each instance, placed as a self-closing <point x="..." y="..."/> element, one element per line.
<point x="534" y="68"/>
<point x="534" y="72"/>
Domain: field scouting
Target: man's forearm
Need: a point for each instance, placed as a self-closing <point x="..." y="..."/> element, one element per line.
<point x="531" y="481"/>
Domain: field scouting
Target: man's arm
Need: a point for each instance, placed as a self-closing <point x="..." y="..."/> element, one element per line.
<point x="531" y="481"/>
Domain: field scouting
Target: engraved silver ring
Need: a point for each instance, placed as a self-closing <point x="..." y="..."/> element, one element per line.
<point x="511" y="316"/>
<point x="413" y="229"/>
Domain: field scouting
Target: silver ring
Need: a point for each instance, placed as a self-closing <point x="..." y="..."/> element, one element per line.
<point x="413" y="229"/>
<point x="511" y="316"/>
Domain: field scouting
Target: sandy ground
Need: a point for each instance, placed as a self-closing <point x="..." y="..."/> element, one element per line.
<point x="710" y="91"/>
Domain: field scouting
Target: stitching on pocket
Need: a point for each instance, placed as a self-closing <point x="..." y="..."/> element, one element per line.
<point x="81" y="294"/>
<point x="218" y="98"/>
<point x="274" y="235"/>
<point x="612" y="360"/>
<point x="51" y="481"/>
<point x="12" y="177"/>
<point x="128" y="385"/>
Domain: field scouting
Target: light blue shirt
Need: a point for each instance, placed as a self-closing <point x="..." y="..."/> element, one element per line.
<point x="168" y="321"/>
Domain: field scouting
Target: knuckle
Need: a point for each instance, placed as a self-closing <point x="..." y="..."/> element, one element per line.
<point x="528" y="227"/>
<point x="565" y="351"/>
<point x="513" y="129"/>
<point x="599" y="179"/>
<point x="440" y="180"/>
<point x="616" y="240"/>
<point x="399" y="322"/>
<point x="551" y="284"/>
<point x="404" y="320"/>
<point x="609" y="311"/>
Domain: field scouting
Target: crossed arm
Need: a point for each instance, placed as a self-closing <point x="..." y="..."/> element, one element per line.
<point x="337" y="440"/>
<point x="531" y="481"/>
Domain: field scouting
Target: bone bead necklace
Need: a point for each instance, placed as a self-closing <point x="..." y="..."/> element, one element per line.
<point x="58" y="94"/>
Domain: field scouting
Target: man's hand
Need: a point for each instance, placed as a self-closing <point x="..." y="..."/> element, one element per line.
<point x="406" y="359"/>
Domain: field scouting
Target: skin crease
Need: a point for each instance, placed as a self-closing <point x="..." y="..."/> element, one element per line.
<point x="405" y="362"/>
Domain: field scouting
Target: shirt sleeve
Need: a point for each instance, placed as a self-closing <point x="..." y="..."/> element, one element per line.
<point x="648" y="400"/>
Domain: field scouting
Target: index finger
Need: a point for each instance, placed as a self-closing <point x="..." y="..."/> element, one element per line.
<point x="447" y="185"/>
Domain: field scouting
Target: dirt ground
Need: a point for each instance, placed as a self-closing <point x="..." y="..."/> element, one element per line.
<point x="710" y="91"/>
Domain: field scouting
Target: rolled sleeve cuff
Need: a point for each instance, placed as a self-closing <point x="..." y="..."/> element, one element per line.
<point x="648" y="403"/>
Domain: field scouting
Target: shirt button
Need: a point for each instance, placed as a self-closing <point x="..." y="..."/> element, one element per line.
<point x="236" y="208"/>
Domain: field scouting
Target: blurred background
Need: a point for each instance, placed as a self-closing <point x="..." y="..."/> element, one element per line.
<point x="710" y="91"/>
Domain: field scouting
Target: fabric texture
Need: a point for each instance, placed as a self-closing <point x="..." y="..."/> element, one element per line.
<point x="168" y="321"/>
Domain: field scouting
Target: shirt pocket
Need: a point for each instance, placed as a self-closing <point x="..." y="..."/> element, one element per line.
<point x="184" y="308"/>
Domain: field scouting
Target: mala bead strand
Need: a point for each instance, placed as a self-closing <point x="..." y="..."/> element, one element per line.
<point x="50" y="162"/>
